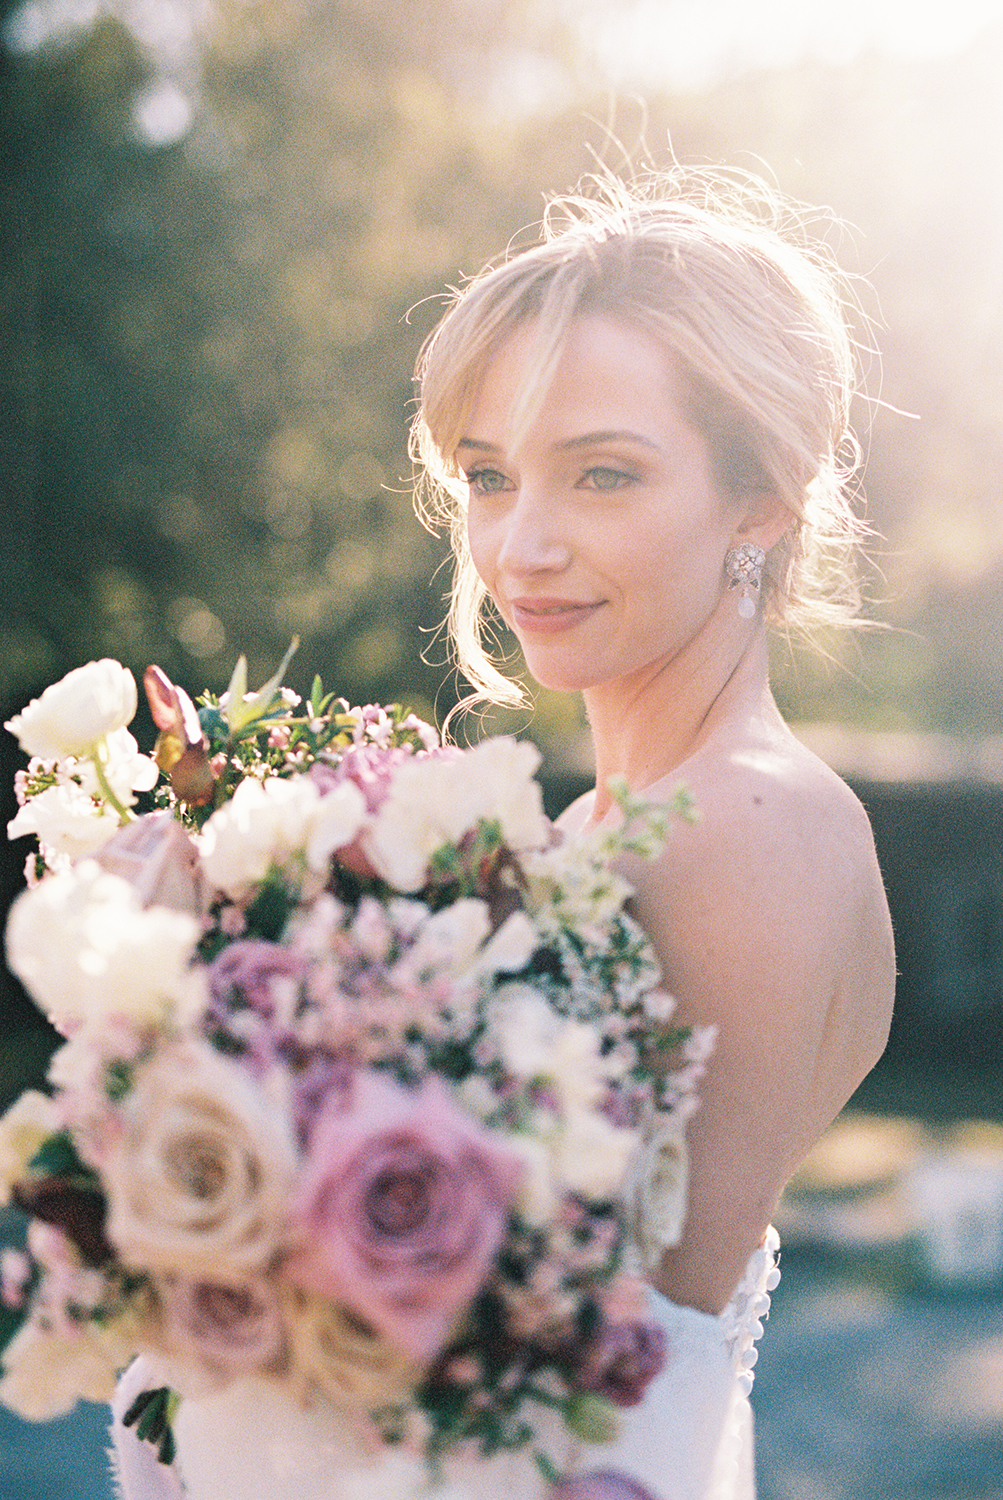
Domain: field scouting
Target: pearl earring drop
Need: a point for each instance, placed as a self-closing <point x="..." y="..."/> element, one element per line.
<point x="744" y="566"/>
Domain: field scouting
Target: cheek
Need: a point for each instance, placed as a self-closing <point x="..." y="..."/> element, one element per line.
<point x="482" y="544"/>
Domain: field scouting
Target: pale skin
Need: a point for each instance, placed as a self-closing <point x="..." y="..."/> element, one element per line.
<point x="599" y="533"/>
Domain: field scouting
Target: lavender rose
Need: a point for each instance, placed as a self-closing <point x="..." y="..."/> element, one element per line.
<point x="228" y="1327"/>
<point x="621" y="1359"/>
<point x="401" y="1206"/>
<point x="599" y="1484"/>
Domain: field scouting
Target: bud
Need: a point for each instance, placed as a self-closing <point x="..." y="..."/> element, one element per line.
<point x="592" y="1418"/>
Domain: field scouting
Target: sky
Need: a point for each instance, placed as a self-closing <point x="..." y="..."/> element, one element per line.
<point x="693" y="43"/>
<point x="637" y="44"/>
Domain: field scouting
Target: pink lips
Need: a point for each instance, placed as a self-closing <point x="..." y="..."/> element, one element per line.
<point x="548" y="616"/>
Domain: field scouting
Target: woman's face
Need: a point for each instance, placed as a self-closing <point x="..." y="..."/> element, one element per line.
<point x="598" y="532"/>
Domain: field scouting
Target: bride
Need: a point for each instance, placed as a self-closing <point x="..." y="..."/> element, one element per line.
<point x="635" y="430"/>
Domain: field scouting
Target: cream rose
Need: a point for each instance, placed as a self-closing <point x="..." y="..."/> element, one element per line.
<point x="75" y="714"/>
<point x="23" y="1129"/>
<point x="198" y="1184"/>
<point x="46" y="1372"/>
<point x="340" y="1356"/>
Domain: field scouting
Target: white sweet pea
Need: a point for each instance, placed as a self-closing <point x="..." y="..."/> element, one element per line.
<point x="590" y="1156"/>
<point x="337" y="819"/>
<point x="66" y="820"/>
<point x="449" y="940"/>
<point x="277" y="821"/>
<point x="75" y="714"/>
<point x="538" y="1198"/>
<point x="523" y="1028"/>
<point x="434" y="801"/>
<point x="86" y="949"/>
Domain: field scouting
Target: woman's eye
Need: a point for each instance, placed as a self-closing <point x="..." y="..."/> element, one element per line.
<point x="602" y="478"/>
<point x="487" y="481"/>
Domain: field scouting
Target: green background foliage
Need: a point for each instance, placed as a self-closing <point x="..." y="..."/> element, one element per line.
<point x="208" y="340"/>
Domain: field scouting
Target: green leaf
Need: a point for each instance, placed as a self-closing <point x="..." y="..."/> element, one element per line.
<point x="240" y="714"/>
<point x="57" y="1157"/>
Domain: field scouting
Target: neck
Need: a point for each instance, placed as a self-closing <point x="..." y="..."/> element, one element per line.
<point x="644" y="728"/>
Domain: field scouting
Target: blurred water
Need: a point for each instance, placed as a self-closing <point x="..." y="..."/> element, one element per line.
<point x="868" y="1391"/>
<point x="63" y="1460"/>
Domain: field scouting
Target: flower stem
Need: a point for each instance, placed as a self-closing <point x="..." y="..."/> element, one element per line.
<point x="124" y="815"/>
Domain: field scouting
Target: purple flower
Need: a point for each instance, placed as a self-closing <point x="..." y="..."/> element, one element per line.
<point x="246" y="969"/>
<point x="599" y="1484"/>
<point x="402" y="1203"/>
<point x="621" y="1359"/>
<point x="233" y="1327"/>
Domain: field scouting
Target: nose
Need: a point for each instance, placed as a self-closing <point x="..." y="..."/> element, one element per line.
<point x="534" y="536"/>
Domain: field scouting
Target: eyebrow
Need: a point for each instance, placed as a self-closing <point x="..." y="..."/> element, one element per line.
<point x="585" y="441"/>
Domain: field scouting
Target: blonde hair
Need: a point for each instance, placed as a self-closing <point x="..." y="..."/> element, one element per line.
<point x="719" y="270"/>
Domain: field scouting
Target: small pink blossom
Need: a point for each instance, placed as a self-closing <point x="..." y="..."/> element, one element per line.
<point x="15" y="1274"/>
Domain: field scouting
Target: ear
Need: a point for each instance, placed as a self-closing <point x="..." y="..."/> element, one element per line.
<point x="764" y="520"/>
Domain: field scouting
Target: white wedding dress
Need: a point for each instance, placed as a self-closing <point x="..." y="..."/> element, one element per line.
<point x="689" y="1439"/>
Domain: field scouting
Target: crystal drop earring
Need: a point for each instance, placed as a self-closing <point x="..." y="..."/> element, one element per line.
<point x="744" y="566"/>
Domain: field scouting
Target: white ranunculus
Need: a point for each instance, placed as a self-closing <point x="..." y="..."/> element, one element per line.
<point x="85" y="948"/>
<point x="30" y="1120"/>
<point x="277" y="821"/>
<point x="435" y="800"/>
<point x="76" y="713"/>
<point x="66" y="820"/>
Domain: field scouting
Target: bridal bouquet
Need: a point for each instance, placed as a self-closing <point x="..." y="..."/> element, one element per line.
<point x="368" y="1083"/>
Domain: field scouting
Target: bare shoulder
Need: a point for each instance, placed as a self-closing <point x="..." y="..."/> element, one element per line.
<point x="769" y="910"/>
<point x="783" y="823"/>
